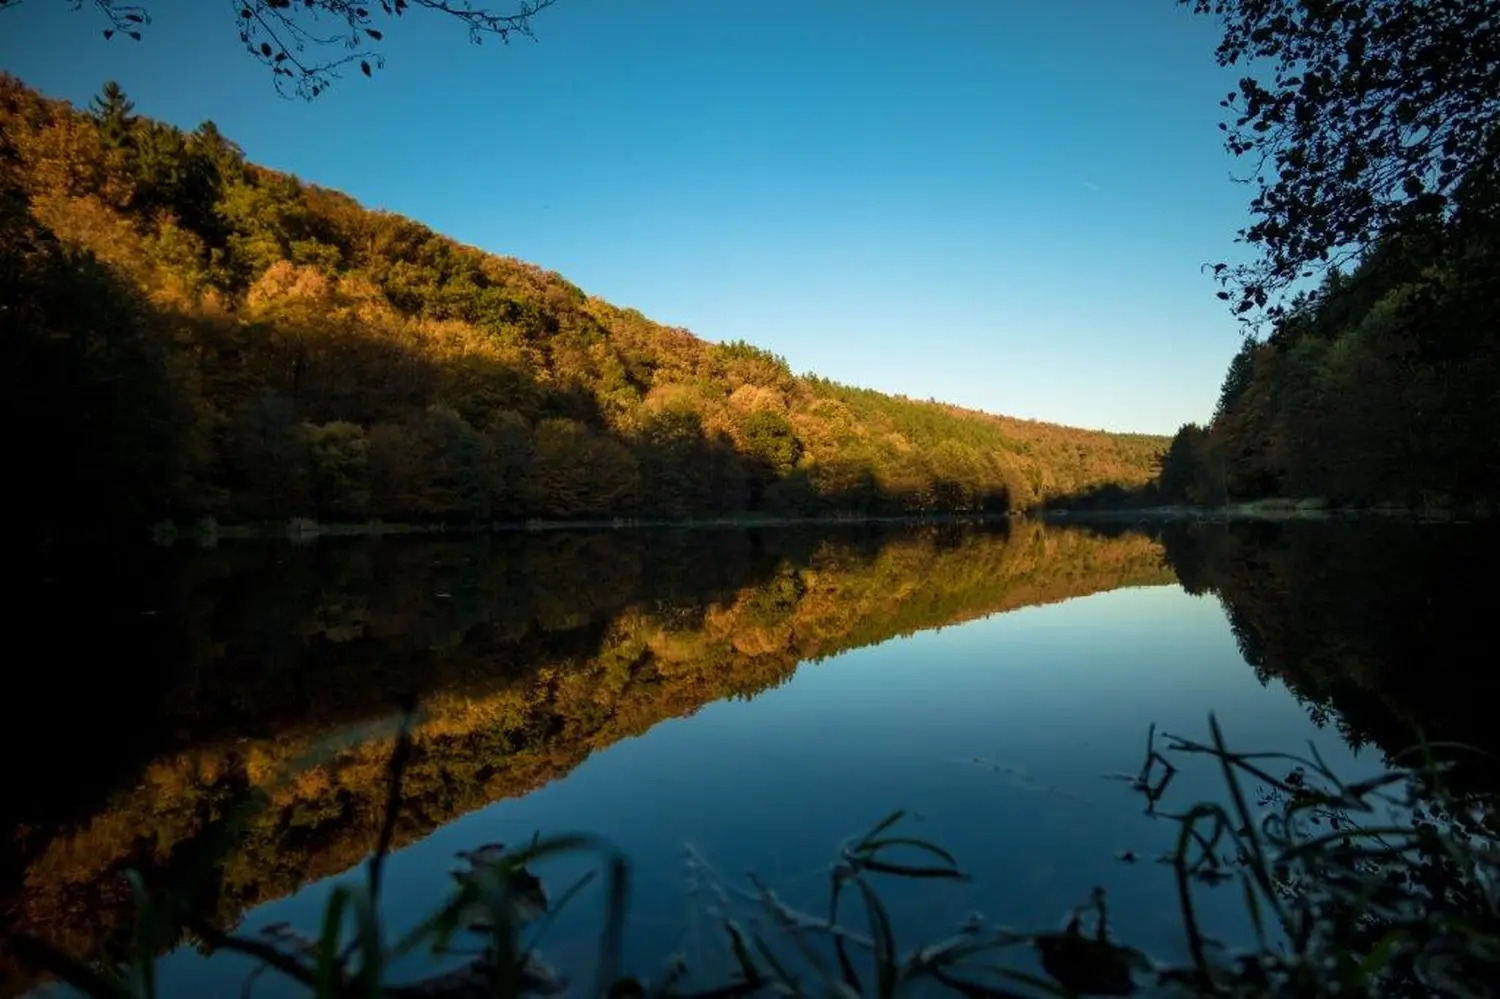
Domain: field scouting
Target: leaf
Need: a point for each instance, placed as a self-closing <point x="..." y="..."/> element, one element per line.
<point x="364" y="67"/>
<point x="374" y="34"/>
<point x="910" y="871"/>
<point x="882" y="826"/>
<point x="741" y="953"/>
<point x="785" y="977"/>
<point x="265" y="49"/>
<point x="329" y="971"/>
<point x="918" y="844"/>
<point x="885" y="941"/>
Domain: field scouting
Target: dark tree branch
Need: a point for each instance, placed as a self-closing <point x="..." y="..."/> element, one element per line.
<point x="306" y="43"/>
<point x="1356" y="115"/>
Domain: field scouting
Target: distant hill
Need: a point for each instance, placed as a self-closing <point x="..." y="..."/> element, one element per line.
<point x="191" y="334"/>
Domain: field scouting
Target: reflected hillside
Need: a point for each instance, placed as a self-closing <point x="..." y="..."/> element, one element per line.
<point x="530" y="653"/>
<point x="1384" y="623"/>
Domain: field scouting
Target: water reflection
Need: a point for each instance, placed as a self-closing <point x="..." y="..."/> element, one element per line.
<point x="270" y="667"/>
<point x="1380" y="628"/>
<point x="535" y="654"/>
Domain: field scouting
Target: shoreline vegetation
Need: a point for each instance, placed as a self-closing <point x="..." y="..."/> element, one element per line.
<point x="209" y="530"/>
<point x="304" y="529"/>
<point x="1280" y="509"/>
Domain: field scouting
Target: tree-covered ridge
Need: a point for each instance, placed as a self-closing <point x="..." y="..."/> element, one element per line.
<point x="202" y="336"/>
<point x="1382" y="386"/>
<point x="520" y="684"/>
<point x="1370" y="134"/>
<point x="1372" y="131"/>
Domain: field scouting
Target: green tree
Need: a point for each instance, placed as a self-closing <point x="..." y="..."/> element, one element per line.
<point x="338" y="456"/>
<point x="178" y="175"/>
<point x="674" y="463"/>
<point x="769" y="436"/>
<point x="112" y="110"/>
<point x="513" y="486"/>
<point x="1237" y="378"/>
<point x="1187" y="469"/>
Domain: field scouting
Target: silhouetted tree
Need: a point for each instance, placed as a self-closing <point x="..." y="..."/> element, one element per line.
<point x="1352" y="115"/>
<point x="305" y="43"/>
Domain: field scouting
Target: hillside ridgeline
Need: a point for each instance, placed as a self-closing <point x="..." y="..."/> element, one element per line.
<point x="1379" y="388"/>
<point x="200" y="336"/>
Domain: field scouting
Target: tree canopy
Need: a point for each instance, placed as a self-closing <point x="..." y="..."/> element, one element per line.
<point x="208" y="338"/>
<point x="307" y="43"/>
<point x="1354" y="115"/>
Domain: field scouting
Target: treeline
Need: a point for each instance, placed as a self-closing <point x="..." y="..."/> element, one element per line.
<point x="191" y="335"/>
<point x="1381" y="387"/>
<point x="530" y="653"/>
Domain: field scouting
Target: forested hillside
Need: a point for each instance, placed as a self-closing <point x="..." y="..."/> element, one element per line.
<point x="190" y="334"/>
<point x="1381" y="387"/>
<point x="1377" y="139"/>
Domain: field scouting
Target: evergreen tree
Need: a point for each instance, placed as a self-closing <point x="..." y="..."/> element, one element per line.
<point x="112" y="110"/>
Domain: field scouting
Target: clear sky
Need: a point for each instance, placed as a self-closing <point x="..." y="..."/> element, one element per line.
<point x="997" y="203"/>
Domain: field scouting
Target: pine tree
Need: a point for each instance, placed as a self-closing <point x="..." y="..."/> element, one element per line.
<point x="112" y="109"/>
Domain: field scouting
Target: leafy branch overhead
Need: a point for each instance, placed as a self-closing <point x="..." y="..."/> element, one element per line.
<point x="1355" y="115"/>
<point x="306" y="43"/>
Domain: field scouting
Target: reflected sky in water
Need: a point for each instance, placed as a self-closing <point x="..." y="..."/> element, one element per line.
<point x="998" y="732"/>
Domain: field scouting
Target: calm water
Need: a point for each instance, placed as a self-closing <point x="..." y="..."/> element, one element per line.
<point x="757" y="696"/>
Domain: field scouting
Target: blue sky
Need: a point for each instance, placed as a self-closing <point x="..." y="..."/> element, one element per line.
<point x="998" y="203"/>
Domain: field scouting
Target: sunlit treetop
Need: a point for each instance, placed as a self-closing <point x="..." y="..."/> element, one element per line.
<point x="1354" y="115"/>
<point x="307" y="43"/>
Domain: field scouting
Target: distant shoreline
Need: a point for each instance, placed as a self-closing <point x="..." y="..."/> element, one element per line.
<point x="302" y="529"/>
<point x="1276" y="510"/>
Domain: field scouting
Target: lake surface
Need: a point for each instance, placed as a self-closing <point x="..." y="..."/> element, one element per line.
<point x="756" y="696"/>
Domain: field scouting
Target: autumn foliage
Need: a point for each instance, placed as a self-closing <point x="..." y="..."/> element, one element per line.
<point x="201" y="336"/>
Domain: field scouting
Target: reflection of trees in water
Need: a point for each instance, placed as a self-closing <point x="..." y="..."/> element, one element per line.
<point x="530" y="652"/>
<point x="1382" y="622"/>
